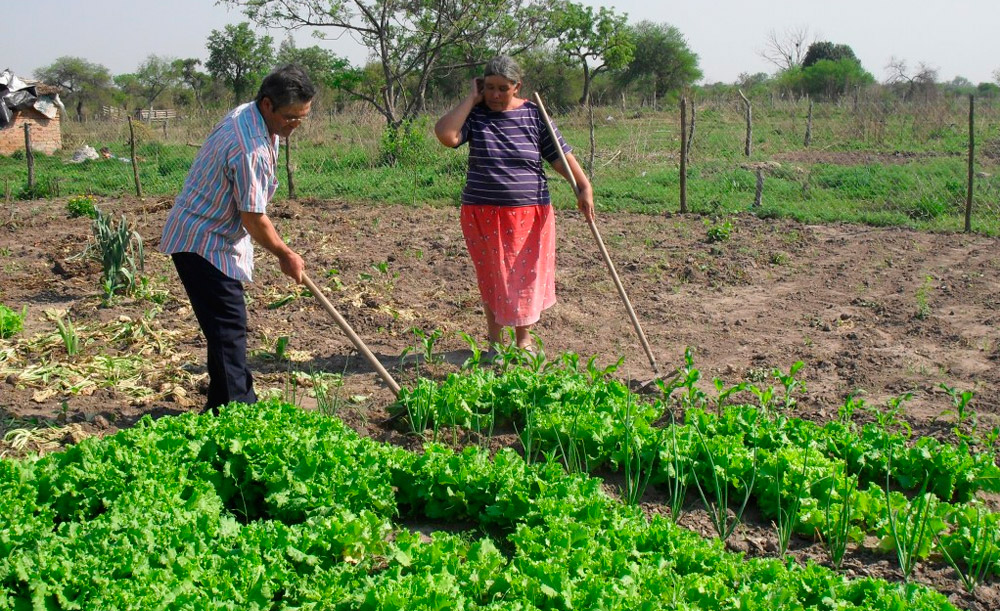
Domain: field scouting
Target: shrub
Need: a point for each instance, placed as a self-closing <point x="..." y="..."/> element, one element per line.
<point x="81" y="205"/>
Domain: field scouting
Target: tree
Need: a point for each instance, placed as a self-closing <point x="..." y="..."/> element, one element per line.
<point x="549" y="73"/>
<point x="239" y="58"/>
<point x="989" y="90"/>
<point x="154" y="76"/>
<point x="195" y="80"/>
<point x="85" y="81"/>
<point x="662" y="61"/>
<point x="322" y="66"/>
<point x="827" y="50"/>
<point x="584" y="36"/>
<point x="788" y="49"/>
<point x="832" y="78"/>
<point x="408" y="39"/>
<point x="923" y="80"/>
<point x="827" y="69"/>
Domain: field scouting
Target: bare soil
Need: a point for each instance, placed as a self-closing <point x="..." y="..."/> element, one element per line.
<point x="881" y="312"/>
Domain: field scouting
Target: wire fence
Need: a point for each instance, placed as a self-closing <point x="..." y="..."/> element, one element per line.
<point x="870" y="157"/>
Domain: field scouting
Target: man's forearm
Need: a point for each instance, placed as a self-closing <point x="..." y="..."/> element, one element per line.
<point x="262" y="231"/>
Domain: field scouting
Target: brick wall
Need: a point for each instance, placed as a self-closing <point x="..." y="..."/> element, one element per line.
<point x="46" y="136"/>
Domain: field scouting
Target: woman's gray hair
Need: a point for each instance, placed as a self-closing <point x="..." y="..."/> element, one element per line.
<point x="505" y="66"/>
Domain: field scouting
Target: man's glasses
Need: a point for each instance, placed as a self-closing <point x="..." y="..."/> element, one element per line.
<point x="293" y="120"/>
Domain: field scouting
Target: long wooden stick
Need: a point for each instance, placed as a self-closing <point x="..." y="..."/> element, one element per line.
<point x="346" y="328"/>
<point x="600" y="242"/>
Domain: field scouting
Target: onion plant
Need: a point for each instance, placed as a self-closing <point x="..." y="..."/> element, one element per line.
<point x="638" y="462"/>
<point x="838" y="516"/>
<point x="721" y="470"/>
<point x="973" y="549"/>
<point x="121" y="252"/>
<point x="912" y="525"/>
<point x="789" y="515"/>
<point x="678" y="469"/>
<point x="70" y="338"/>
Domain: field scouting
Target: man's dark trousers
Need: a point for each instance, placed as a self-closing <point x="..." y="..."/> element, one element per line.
<point x="218" y="303"/>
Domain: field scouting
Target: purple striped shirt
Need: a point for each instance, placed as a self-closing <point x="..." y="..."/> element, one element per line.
<point x="506" y="150"/>
<point x="234" y="171"/>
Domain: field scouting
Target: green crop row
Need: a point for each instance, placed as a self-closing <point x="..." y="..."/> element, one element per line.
<point x="270" y="507"/>
<point x="840" y="480"/>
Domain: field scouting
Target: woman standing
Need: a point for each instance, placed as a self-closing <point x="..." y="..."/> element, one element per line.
<point x="507" y="217"/>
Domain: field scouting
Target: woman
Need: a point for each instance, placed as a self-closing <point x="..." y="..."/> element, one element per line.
<point x="507" y="218"/>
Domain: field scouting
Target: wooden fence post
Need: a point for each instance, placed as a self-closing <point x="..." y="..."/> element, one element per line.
<point x="809" y="125"/>
<point x="690" y="130"/>
<point x="135" y="162"/>
<point x="591" y="157"/>
<point x="288" y="167"/>
<point x="684" y="146"/>
<point x="759" y="193"/>
<point x="972" y="162"/>
<point x="748" y="146"/>
<point x="29" y="155"/>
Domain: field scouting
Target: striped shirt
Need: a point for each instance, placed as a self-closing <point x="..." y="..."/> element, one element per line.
<point x="234" y="171"/>
<point x="506" y="149"/>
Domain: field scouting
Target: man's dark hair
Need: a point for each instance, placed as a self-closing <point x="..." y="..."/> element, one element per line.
<point x="286" y="85"/>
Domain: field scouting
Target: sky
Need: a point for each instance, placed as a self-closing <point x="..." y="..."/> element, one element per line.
<point x="957" y="38"/>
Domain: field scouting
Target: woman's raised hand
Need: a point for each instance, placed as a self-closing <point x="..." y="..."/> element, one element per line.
<point x="476" y="93"/>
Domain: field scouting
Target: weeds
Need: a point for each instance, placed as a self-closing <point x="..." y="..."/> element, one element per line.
<point x="790" y="383"/>
<point x="426" y="342"/>
<point x="474" y="361"/>
<point x="81" y="205"/>
<point x="960" y="401"/>
<point x="923" y="307"/>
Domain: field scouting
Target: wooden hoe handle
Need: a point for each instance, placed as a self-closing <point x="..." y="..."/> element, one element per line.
<point x="346" y="328"/>
<point x="600" y="242"/>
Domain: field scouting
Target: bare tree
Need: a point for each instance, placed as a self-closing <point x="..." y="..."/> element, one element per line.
<point x="786" y="50"/>
<point x="922" y="80"/>
<point x="996" y="75"/>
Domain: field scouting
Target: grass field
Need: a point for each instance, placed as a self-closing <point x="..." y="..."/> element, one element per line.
<point x="875" y="162"/>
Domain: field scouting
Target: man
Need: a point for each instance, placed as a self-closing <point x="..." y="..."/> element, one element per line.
<point x="222" y="206"/>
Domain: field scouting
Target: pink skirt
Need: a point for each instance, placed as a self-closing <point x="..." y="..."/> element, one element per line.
<point x="513" y="249"/>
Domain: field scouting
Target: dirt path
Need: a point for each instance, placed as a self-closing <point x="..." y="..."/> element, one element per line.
<point x="877" y="311"/>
